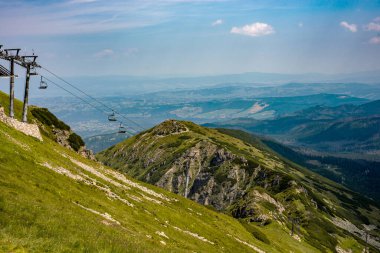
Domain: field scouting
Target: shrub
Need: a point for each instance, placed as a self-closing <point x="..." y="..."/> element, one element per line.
<point x="255" y="232"/>
<point x="44" y="116"/>
<point x="75" y="141"/>
<point x="184" y="137"/>
<point x="175" y="144"/>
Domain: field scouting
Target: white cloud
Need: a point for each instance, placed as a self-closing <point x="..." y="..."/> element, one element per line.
<point x="375" y="40"/>
<point x="254" y="30"/>
<point x="300" y="24"/>
<point x="351" y="27"/>
<point x="104" y="53"/>
<point x="217" y="22"/>
<point x="373" y="27"/>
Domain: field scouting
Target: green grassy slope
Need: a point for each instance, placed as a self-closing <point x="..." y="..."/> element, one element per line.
<point x="269" y="189"/>
<point x="42" y="210"/>
<point x="4" y="102"/>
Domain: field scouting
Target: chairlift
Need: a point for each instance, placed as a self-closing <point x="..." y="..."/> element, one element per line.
<point x="43" y="84"/>
<point x="112" y="117"/>
<point x="33" y="72"/>
<point x="122" y="130"/>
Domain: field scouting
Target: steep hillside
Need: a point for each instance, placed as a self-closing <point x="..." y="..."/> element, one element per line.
<point x="54" y="200"/>
<point x="357" y="174"/>
<point x="359" y="134"/>
<point x="248" y="181"/>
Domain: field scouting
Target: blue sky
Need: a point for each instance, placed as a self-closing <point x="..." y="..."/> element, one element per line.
<point x="185" y="37"/>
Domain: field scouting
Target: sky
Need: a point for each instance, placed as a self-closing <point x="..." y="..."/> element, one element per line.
<point x="194" y="37"/>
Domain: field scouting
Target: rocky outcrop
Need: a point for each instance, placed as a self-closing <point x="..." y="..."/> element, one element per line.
<point x="28" y="129"/>
<point x="87" y="153"/>
<point x="62" y="138"/>
<point x="176" y="157"/>
<point x="207" y="174"/>
<point x="170" y="127"/>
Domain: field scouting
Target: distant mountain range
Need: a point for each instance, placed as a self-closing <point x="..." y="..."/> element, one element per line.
<point x="129" y="86"/>
<point x="254" y="90"/>
<point x="344" y="128"/>
<point x="151" y="110"/>
<point x="101" y="142"/>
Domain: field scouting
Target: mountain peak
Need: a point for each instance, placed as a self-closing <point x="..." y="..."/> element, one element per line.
<point x="170" y="127"/>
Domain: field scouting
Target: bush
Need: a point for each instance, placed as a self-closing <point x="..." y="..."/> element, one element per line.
<point x="184" y="137"/>
<point x="255" y="232"/>
<point x="75" y="141"/>
<point x="175" y="144"/>
<point x="44" y="116"/>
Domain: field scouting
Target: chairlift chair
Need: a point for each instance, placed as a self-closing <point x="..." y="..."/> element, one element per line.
<point x="122" y="130"/>
<point x="43" y="84"/>
<point x="112" y="117"/>
<point x="33" y="72"/>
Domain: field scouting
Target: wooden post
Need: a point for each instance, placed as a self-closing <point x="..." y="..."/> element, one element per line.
<point x="26" y="95"/>
<point x="12" y="90"/>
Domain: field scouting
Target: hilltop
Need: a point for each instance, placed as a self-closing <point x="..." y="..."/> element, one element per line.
<point x="244" y="178"/>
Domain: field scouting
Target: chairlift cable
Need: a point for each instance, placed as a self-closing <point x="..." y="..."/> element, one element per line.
<point x="98" y="101"/>
<point x="83" y="100"/>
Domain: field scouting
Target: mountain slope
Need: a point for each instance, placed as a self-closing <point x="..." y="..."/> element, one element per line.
<point x="54" y="200"/>
<point x="245" y="180"/>
<point x="352" y="132"/>
<point x="357" y="174"/>
<point x="100" y="142"/>
<point x="345" y="128"/>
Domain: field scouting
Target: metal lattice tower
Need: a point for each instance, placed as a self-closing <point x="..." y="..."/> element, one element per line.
<point x="27" y="62"/>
